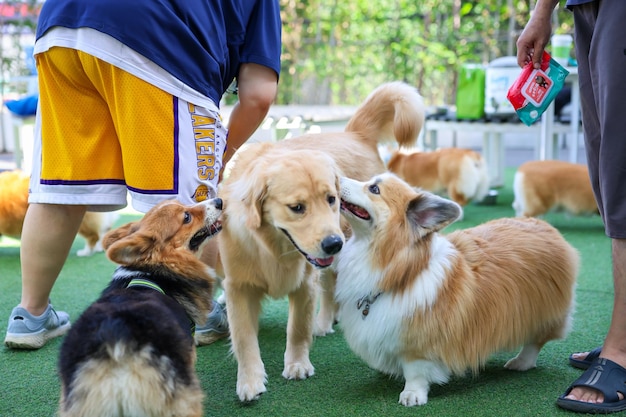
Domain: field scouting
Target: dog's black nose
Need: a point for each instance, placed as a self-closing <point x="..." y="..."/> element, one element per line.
<point x="332" y="244"/>
<point x="218" y="203"/>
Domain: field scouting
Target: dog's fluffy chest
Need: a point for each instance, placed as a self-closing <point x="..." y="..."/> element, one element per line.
<point x="369" y="319"/>
<point x="378" y="335"/>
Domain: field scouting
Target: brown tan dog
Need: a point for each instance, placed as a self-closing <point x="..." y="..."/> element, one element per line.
<point x="14" y="203"/>
<point x="422" y="305"/>
<point x="282" y="226"/>
<point x="132" y="352"/>
<point x="542" y="186"/>
<point x="462" y="173"/>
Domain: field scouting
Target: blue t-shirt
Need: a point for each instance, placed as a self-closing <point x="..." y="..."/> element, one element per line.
<point x="576" y="2"/>
<point x="200" y="42"/>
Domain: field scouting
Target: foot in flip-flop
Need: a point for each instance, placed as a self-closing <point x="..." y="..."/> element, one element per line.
<point x="585" y="362"/>
<point x="605" y="376"/>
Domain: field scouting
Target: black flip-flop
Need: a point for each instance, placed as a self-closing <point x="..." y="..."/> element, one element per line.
<point x="605" y="376"/>
<point x="586" y="362"/>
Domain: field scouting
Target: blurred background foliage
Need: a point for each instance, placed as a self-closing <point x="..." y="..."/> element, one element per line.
<point x="337" y="51"/>
<point x="18" y="20"/>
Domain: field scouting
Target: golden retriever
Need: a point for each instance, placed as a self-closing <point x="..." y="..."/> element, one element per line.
<point x="420" y="305"/>
<point x="282" y="226"/>
<point x="132" y="352"/>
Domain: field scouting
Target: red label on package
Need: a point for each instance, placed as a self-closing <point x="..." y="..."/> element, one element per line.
<point x="536" y="87"/>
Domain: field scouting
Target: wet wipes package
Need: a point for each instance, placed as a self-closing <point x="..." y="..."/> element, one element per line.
<point x="534" y="89"/>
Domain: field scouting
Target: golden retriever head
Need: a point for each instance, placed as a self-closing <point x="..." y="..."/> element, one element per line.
<point x="169" y="234"/>
<point x="289" y="200"/>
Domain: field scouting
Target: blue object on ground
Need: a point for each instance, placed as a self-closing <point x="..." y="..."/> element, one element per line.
<point x="26" y="106"/>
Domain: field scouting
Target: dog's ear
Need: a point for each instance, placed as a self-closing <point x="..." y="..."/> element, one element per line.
<point x="431" y="212"/>
<point x="127" y="245"/>
<point x="253" y="199"/>
<point x="250" y="189"/>
<point x="116" y="234"/>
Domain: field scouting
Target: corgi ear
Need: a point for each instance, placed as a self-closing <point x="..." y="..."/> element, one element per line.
<point x="116" y="234"/>
<point x="126" y="245"/>
<point x="131" y="250"/>
<point x="431" y="212"/>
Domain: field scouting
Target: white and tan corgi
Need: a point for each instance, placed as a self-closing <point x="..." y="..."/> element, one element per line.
<point x="421" y="305"/>
<point x="542" y="186"/>
<point x="461" y="173"/>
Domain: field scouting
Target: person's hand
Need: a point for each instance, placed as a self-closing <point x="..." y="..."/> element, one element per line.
<point x="532" y="42"/>
<point x="536" y="34"/>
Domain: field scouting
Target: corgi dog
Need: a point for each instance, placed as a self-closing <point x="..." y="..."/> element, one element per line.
<point x="461" y="173"/>
<point x="132" y="352"/>
<point x="92" y="228"/>
<point x="14" y="203"/>
<point x="417" y="304"/>
<point x="542" y="186"/>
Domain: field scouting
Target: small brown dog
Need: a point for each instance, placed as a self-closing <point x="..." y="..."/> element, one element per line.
<point x="541" y="186"/>
<point x="462" y="173"/>
<point x="14" y="203"/>
<point x="132" y="352"/>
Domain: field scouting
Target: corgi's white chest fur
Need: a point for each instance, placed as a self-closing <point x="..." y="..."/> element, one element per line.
<point x="377" y="336"/>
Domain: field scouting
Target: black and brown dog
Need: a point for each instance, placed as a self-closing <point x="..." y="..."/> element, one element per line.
<point x="132" y="352"/>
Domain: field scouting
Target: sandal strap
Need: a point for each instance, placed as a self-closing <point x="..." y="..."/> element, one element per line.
<point x="593" y="354"/>
<point x="605" y="376"/>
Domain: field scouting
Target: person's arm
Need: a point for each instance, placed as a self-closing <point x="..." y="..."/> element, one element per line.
<point x="536" y="34"/>
<point x="257" y="87"/>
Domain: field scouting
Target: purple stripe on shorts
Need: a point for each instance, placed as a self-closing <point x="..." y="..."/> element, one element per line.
<point x="150" y="192"/>
<point x="82" y="182"/>
<point x="176" y="139"/>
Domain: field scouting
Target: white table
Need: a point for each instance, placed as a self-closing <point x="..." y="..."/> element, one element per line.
<point x="493" y="143"/>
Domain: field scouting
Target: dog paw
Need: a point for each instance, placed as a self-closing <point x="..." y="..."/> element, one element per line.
<point x="323" y="329"/>
<point x="88" y="250"/>
<point x="250" y="390"/>
<point x="298" y="370"/>
<point x="526" y="359"/>
<point x="520" y="363"/>
<point x="412" y="398"/>
<point x="84" y="252"/>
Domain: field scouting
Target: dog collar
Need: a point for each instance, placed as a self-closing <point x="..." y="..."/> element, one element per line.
<point x="365" y="302"/>
<point x="140" y="282"/>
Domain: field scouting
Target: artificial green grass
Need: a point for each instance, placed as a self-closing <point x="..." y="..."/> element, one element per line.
<point x="342" y="385"/>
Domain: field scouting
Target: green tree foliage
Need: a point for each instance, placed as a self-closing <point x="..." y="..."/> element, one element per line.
<point x="336" y="52"/>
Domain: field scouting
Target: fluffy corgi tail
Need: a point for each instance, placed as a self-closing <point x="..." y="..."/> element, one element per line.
<point x="519" y="202"/>
<point x="393" y="111"/>
<point x="478" y="166"/>
<point x="130" y="383"/>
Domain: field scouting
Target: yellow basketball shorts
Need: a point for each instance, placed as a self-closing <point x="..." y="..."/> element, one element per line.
<point x="102" y="132"/>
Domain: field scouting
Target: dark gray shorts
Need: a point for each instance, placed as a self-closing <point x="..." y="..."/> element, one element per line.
<point x="600" y="38"/>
